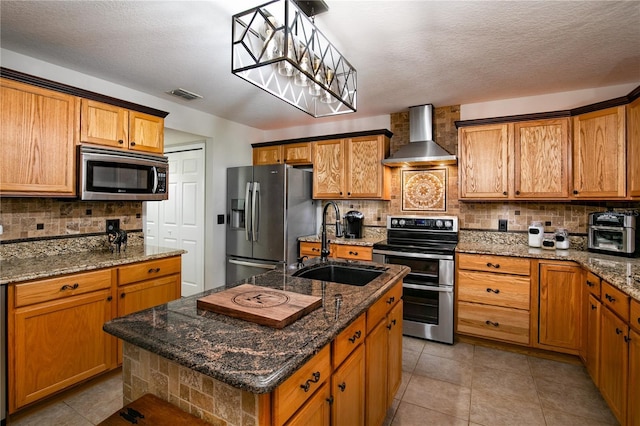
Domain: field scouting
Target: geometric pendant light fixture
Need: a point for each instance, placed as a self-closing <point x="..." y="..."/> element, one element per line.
<point x="278" y="48"/>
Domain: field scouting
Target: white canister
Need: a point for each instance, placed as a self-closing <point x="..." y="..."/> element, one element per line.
<point x="562" y="239"/>
<point x="536" y="232"/>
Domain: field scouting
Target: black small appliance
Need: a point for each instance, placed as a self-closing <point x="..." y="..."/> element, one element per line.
<point x="353" y="222"/>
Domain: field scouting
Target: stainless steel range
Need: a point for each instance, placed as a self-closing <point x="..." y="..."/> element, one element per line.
<point x="426" y="245"/>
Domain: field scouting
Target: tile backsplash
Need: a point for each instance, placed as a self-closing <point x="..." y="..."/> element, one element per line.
<point x="24" y="218"/>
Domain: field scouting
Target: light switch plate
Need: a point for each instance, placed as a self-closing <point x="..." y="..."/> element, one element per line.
<point x="502" y="225"/>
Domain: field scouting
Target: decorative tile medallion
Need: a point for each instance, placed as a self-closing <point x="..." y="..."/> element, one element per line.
<point x="424" y="190"/>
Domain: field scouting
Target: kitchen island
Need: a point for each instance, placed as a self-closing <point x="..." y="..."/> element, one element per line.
<point x="226" y="369"/>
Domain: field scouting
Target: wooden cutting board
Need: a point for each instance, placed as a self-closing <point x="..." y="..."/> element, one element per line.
<point x="261" y="305"/>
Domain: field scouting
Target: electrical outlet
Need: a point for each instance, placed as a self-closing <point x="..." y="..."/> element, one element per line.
<point x="112" y="225"/>
<point x="502" y="225"/>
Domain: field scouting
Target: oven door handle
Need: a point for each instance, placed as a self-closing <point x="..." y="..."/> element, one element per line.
<point x="606" y="228"/>
<point x="414" y="255"/>
<point x="445" y="289"/>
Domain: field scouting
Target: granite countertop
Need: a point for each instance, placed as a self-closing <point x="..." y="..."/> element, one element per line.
<point x="366" y="241"/>
<point x="243" y="354"/>
<point x="621" y="272"/>
<point x="25" y="269"/>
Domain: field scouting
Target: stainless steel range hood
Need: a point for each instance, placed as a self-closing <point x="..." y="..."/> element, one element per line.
<point x="421" y="149"/>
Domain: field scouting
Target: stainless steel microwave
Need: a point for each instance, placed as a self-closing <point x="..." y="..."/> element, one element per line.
<point x="111" y="174"/>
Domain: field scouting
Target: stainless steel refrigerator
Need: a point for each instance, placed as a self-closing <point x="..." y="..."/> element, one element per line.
<point x="268" y="208"/>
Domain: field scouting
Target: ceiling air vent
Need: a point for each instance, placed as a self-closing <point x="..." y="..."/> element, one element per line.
<point x="184" y="94"/>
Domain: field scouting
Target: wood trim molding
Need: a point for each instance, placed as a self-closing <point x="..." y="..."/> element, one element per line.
<point x="75" y="91"/>
<point x="623" y="100"/>
<point x="325" y="137"/>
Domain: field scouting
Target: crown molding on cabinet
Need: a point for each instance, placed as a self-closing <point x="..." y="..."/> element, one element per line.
<point x="385" y="132"/>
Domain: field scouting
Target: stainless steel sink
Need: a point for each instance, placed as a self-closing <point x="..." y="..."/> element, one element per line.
<point x="343" y="274"/>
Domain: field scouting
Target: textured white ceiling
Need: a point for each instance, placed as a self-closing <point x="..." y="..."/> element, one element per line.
<point x="406" y="52"/>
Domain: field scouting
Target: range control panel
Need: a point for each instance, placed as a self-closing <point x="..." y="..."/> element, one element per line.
<point x="436" y="223"/>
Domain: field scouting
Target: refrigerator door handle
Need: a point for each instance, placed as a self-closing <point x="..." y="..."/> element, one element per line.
<point x="247" y="226"/>
<point x="252" y="264"/>
<point x="255" y="211"/>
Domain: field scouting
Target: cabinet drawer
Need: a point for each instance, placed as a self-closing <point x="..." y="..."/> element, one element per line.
<point x="380" y="309"/>
<point x="148" y="270"/>
<point x="494" y="289"/>
<point x="616" y="300"/>
<point x="352" y="252"/>
<point x="348" y="340"/>
<point x="290" y="395"/>
<point x="634" y="316"/>
<point x="593" y="283"/>
<point x="499" y="264"/>
<point x="310" y="249"/>
<point x="60" y="287"/>
<point x="494" y="322"/>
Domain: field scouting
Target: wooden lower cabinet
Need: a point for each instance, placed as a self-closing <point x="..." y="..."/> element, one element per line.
<point x="348" y="390"/>
<point x="316" y="411"/>
<point x="376" y="377"/>
<point x="64" y="335"/>
<point x="592" y="361"/>
<point x="560" y="307"/>
<point x="633" y="414"/>
<point x="614" y="362"/>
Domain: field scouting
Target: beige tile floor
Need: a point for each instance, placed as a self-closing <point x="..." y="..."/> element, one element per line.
<point x="462" y="384"/>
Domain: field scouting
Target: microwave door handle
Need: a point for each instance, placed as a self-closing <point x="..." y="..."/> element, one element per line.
<point x="247" y="220"/>
<point x="255" y="213"/>
<point x="155" y="180"/>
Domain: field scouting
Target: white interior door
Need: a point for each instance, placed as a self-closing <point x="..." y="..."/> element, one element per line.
<point x="179" y="221"/>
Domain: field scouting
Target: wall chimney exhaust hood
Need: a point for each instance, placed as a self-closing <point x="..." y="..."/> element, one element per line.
<point x="421" y="149"/>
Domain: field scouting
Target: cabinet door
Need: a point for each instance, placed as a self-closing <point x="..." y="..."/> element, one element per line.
<point x="347" y="389"/>
<point x="38" y="139"/>
<point x="365" y="174"/>
<point x="599" y="155"/>
<point x="394" y="325"/>
<point x="483" y="161"/>
<point x="633" y="148"/>
<point x="58" y="344"/>
<point x="104" y="124"/>
<point x="560" y="309"/>
<point x="267" y="155"/>
<point x="376" y="374"/>
<point x="634" y="379"/>
<point x="328" y="169"/>
<point x="146" y="132"/>
<point x="541" y="159"/>
<point x="614" y="359"/>
<point x="297" y="153"/>
<point x="316" y="411"/>
<point x="593" y="339"/>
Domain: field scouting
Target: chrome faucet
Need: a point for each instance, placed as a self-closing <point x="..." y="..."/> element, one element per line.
<point x="324" y="251"/>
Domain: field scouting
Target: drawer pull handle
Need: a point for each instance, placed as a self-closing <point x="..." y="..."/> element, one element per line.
<point x="609" y="298"/>
<point x="355" y="337"/>
<point x="618" y="331"/>
<point x="330" y="400"/>
<point x="154" y="270"/>
<point x="638" y="320"/>
<point x="593" y="307"/>
<point x="490" y="290"/>
<point x="69" y="287"/>
<point x="315" y="249"/>
<point x="342" y="386"/>
<point x="391" y="300"/>
<point x="353" y="253"/>
<point x="315" y="379"/>
<point x="590" y="284"/>
<point x="493" y="265"/>
<point x="495" y="324"/>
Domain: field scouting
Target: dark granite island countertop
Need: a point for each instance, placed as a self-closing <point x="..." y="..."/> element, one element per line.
<point x="242" y="354"/>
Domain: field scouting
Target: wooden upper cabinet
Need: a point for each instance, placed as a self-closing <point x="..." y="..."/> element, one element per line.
<point x="541" y="159"/>
<point x="366" y="177"/>
<point x="110" y="125"/>
<point x="599" y="154"/>
<point x="38" y="138"/>
<point x="483" y="161"/>
<point x="328" y="169"/>
<point x="267" y="155"/>
<point x="633" y="148"/>
<point x="297" y="153"/>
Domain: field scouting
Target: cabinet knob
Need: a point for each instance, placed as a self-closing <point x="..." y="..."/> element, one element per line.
<point x="517" y="192"/>
<point x="593" y="307"/>
<point x="342" y="386"/>
<point x="120" y="141"/>
<point x="122" y="295"/>
<point x="618" y="331"/>
<point x="109" y="299"/>
<point x="590" y="284"/>
<point x="330" y="400"/>
<point x="391" y="300"/>
<point x="575" y="191"/>
<point x="340" y="192"/>
<point x="132" y="143"/>
<point x="627" y="339"/>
